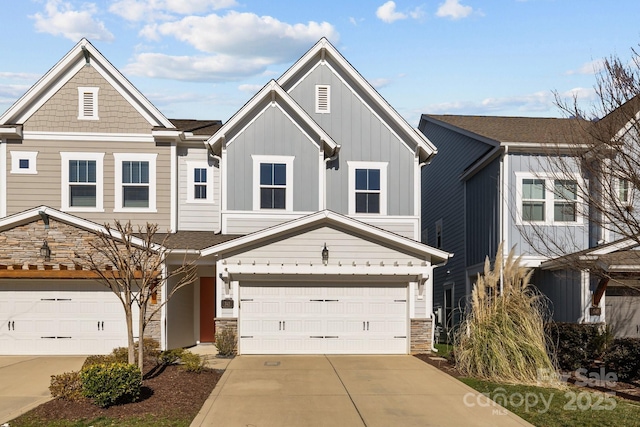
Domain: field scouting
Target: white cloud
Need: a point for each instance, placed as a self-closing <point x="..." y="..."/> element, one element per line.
<point x="195" y="68"/>
<point x="59" y="18"/>
<point x="417" y="13"/>
<point x="19" y="76"/>
<point x="10" y="93"/>
<point x="453" y="9"/>
<point x="592" y="67"/>
<point x="379" y="83"/>
<point x="387" y="13"/>
<point x="250" y="88"/>
<point x="150" y="10"/>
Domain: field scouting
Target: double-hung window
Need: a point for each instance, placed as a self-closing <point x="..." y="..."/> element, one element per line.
<point x="623" y="190"/>
<point x="199" y="182"/>
<point x="82" y="181"/>
<point x="273" y="182"/>
<point x="547" y="200"/>
<point x="367" y="188"/>
<point x="135" y="182"/>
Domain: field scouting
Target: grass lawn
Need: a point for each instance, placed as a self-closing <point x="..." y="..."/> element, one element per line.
<point x="145" y="421"/>
<point x="443" y="349"/>
<point x="551" y="407"/>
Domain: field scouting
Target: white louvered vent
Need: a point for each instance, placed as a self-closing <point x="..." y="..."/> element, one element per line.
<point x="323" y="99"/>
<point x="88" y="103"/>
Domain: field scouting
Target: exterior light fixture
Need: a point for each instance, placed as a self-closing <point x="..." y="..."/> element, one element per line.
<point x="45" y="251"/>
<point x="325" y="255"/>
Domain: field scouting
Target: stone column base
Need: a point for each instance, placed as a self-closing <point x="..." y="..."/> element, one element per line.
<point x="421" y="336"/>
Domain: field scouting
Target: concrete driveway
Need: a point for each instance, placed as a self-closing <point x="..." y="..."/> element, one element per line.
<point x="371" y="391"/>
<point x="24" y="381"/>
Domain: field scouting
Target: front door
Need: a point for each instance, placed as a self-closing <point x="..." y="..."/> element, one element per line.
<point x="207" y="309"/>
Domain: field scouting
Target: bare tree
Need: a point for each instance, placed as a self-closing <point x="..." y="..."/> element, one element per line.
<point x="133" y="266"/>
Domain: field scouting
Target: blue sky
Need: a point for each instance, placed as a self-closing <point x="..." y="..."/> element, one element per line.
<point x="204" y="59"/>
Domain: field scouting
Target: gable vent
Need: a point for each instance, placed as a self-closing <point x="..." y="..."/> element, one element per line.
<point x="323" y="98"/>
<point x="88" y="103"/>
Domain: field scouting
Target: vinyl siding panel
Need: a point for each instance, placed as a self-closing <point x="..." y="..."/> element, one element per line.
<point x="362" y="135"/>
<point x="45" y="188"/>
<point x="272" y="133"/>
<point x="483" y="213"/>
<point x="566" y="238"/>
<point x="305" y="248"/>
<point x="443" y="198"/>
<point x="197" y="216"/>
<point x="564" y="290"/>
<point x="60" y="112"/>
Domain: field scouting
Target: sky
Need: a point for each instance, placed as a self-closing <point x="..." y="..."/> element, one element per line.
<point x="204" y="59"/>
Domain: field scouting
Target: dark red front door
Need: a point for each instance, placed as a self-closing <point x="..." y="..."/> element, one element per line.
<point x="207" y="308"/>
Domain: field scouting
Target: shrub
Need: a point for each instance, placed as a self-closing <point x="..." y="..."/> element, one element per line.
<point x="150" y="346"/>
<point x="67" y="386"/>
<point x="191" y="362"/>
<point x="502" y="337"/>
<point x="226" y="342"/>
<point x="120" y="354"/>
<point x="98" y="360"/>
<point x="577" y="345"/>
<point x="110" y="384"/>
<point x="623" y="358"/>
<point x="169" y="357"/>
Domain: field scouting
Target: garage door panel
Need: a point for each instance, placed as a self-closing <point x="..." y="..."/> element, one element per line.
<point x="314" y="319"/>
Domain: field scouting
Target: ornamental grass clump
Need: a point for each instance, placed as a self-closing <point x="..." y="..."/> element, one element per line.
<point x="502" y="336"/>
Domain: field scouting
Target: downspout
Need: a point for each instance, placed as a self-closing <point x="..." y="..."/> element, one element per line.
<point x="432" y="315"/>
<point x="504" y="194"/>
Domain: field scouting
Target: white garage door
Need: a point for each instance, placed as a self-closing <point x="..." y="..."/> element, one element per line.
<point x="295" y="319"/>
<point x="60" y="318"/>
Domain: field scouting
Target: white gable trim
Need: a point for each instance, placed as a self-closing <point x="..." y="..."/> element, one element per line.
<point x="66" y="68"/>
<point x="321" y="217"/>
<point x="277" y="93"/>
<point x="323" y="44"/>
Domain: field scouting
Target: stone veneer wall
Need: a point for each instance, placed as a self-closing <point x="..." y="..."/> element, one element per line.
<point x="421" y="335"/>
<point x="223" y="323"/>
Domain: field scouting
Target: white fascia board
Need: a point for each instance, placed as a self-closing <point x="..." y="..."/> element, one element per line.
<point x="377" y="234"/>
<point x="614" y="247"/>
<point x="25" y="216"/>
<point x="13" y="131"/>
<point x="270" y="88"/>
<point x="88" y="136"/>
<point x="420" y="140"/>
<point x="401" y="273"/>
<point x="168" y="135"/>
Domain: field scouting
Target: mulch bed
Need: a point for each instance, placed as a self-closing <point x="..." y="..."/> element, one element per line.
<point x="624" y="390"/>
<point x="167" y="391"/>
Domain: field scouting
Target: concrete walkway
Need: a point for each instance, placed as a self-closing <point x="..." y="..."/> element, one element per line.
<point x="348" y="391"/>
<point x="24" y="381"/>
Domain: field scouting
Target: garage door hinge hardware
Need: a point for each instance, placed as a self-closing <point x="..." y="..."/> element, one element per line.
<point x="324" y="300"/>
<point x="246" y="336"/>
<point x="399" y="300"/>
<point x="55" y="299"/>
<point x="400" y="336"/>
<point x="324" y="336"/>
<point x="246" y="299"/>
<point x="53" y="338"/>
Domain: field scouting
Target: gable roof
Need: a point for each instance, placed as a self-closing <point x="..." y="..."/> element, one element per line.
<point x="82" y="54"/>
<point x="323" y="49"/>
<point x="330" y="218"/>
<point x="620" y="255"/>
<point x="540" y="130"/>
<point x="275" y="94"/>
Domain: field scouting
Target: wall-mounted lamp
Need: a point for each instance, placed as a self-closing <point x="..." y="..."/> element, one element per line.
<point x="325" y="255"/>
<point x="45" y="251"/>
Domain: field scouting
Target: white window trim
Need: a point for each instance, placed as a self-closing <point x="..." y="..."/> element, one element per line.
<point x="99" y="159"/>
<point x="191" y="166"/>
<point x="135" y="157"/>
<point x="317" y="98"/>
<point x="382" y="166"/>
<point x="549" y="178"/>
<point x="81" y="92"/>
<point x="16" y="156"/>
<point x="287" y="160"/>
<point x="629" y="191"/>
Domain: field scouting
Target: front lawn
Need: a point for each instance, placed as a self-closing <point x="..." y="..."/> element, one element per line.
<point x="550" y="407"/>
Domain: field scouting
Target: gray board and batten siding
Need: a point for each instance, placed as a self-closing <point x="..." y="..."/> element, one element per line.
<point x="443" y="198"/>
<point x="357" y="127"/>
<point x="272" y="133"/>
<point x="571" y="237"/>
<point x="60" y="114"/>
<point x="196" y="216"/>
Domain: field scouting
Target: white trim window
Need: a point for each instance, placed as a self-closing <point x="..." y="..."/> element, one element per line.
<point x="24" y="162"/>
<point x="82" y="181"/>
<point x="547" y="200"/>
<point x="135" y="182"/>
<point x="273" y="182"/>
<point x="323" y="99"/>
<point x="199" y="182"/>
<point x="367" y="188"/>
<point x="88" y="103"/>
<point x="623" y="190"/>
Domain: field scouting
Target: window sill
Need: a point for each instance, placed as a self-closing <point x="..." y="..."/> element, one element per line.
<point x="136" y="210"/>
<point x="72" y="209"/>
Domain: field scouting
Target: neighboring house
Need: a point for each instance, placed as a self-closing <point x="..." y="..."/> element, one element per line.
<point x="303" y="212"/>
<point x="499" y="183"/>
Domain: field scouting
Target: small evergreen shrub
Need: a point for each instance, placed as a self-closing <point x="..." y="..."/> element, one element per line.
<point x="120" y="354"/>
<point x="110" y="384"/>
<point x="576" y="345"/>
<point x="226" y="342"/>
<point x="67" y="386"/>
<point x="623" y="358"/>
<point x="170" y="357"/>
<point x="191" y="362"/>
<point x="98" y="360"/>
<point x="150" y="346"/>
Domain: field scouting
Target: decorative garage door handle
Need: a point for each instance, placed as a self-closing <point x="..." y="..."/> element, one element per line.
<point x="12" y="325"/>
<point x="365" y="326"/>
<point x="281" y="326"/>
<point x="101" y="326"/>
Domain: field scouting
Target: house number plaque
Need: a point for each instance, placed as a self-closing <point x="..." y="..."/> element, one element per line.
<point x="227" y="303"/>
